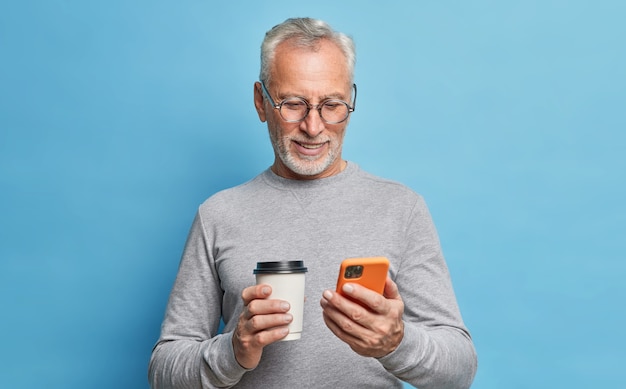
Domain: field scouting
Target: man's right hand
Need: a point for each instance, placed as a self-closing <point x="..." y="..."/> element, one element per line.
<point x="262" y="322"/>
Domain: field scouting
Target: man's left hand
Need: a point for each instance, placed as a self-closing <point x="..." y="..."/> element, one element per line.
<point x="369" y="323"/>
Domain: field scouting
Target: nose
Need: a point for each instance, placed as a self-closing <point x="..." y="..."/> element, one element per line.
<point x="313" y="124"/>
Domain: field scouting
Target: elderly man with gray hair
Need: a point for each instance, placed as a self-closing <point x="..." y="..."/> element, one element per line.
<point x="311" y="205"/>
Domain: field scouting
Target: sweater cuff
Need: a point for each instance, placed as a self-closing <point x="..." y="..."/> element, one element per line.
<point x="403" y="357"/>
<point x="222" y="361"/>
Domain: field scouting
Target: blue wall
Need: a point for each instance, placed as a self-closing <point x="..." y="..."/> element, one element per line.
<point x="118" y="118"/>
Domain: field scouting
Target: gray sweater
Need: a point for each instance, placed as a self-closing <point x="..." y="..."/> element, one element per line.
<point x="322" y="222"/>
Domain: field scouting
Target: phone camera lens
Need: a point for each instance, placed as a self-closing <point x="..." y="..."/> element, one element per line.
<point x="354" y="271"/>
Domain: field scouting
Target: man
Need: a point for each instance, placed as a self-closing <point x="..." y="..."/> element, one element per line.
<point x="311" y="205"/>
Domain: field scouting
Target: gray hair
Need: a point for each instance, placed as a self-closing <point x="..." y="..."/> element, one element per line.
<point x="307" y="33"/>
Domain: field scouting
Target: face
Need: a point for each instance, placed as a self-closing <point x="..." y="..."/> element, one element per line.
<point x="312" y="148"/>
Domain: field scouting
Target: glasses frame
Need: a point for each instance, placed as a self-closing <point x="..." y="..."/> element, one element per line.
<point x="309" y="106"/>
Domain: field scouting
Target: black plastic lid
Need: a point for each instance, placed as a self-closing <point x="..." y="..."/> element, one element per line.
<point x="280" y="267"/>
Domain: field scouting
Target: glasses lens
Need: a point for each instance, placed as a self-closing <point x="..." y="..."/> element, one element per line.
<point x="293" y="109"/>
<point x="334" y="111"/>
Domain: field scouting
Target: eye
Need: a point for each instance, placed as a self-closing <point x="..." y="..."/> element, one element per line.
<point x="294" y="104"/>
<point x="333" y="105"/>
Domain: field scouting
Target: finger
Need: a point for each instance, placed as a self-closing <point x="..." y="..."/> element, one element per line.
<point x="368" y="333"/>
<point x="347" y="314"/>
<point x="266" y="307"/>
<point x="362" y="341"/>
<point x="344" y="327"/>
<point x="337" y="329"/>
<point x="391" y="289"/>
<point x="259" y="323"/>
<point x="253" y="292"/>
<point x="368" y="298"/>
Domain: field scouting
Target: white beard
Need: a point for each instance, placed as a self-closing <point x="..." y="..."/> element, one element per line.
<point x="301" y="164"/>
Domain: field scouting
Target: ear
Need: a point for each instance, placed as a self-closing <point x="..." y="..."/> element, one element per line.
<point x="258" y="101"/>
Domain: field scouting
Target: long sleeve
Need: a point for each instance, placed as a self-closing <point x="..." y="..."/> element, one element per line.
<point x="352" y="214"/>
<point x="436" y="351"/>
<point x="190" y="353"/>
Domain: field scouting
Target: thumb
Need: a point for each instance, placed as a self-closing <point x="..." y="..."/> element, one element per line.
<point x="391" y="290"/>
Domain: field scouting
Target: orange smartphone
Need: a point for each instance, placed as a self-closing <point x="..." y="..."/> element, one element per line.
<point x="370" y="272"/>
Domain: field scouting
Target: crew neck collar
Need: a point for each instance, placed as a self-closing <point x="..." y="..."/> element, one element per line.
<point x="281" y="182"/>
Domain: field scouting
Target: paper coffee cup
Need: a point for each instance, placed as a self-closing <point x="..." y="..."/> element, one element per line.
<point x="287" y="281"/>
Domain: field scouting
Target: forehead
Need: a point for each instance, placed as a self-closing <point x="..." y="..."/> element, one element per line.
<point x="321" y="69"/>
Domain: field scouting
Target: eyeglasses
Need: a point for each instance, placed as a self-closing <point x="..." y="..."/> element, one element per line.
<point x="296" y="109"/>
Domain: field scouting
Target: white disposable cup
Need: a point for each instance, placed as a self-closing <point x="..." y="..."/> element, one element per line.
<point x="287" y="280"/>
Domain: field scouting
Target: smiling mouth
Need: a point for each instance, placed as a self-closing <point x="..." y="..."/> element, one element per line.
<point x="310" y="146"/>
<point x="310" y="150"/>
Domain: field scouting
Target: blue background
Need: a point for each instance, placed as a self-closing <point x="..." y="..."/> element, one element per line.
<point x="118" y="118"/>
